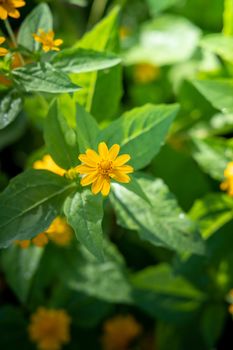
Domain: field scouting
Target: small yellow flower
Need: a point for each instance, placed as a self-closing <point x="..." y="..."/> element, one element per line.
<point x="99" y="169"/>
<point x="3" y="51"/>
<point x="227" y="184"/>
<point x="40" y="241"/>
<point x="119" y="332"/>
<point x="50" y="329"/>
<point x="60" y="232"/>
<point x="47" y="163"/>
<point x="145" y="73"/>
<point x="9" y="8"/>
<point x="47" y="40"/>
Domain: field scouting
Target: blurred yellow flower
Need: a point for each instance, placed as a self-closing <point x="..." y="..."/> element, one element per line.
<point x="145" y="73"/>
<point x="47" y="163"/>
<point x="119" y="332"/>
<point x="50" y="329"/>
<point x="60" y="232"/>
<point x="230" y="309"/>
<point x="9" y="8"/>
<point x="3" y="51"/>
<point x="124" y="32"/>
<point x="23" y="244"/>
<point x="40" y="241"/>
<point x="99" y="169"/>
<point x="47" y="40"/>
<point x="227" y="184"/>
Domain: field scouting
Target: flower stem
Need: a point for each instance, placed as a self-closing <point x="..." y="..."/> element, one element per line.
<point x="228" y="18"/>
<point x="13" y="39"/>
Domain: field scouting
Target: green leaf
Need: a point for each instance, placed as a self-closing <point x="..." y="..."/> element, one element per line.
<point x="84" y="212"/>
<point x="77" y="2"/>
<point x="218" y="92"/>
<point x="10" y="106"/>
<point x="87" y="129"/>
<point x="161" y="293"/>
<point x="212" y="154"/>
<point x="39" y="18"/>
<point x="103" y="37"/>
<point x="160" y="44"/>
<point x="212" y="212"/>
<point x="19" y="266"/>
<point x="29" y="204"/>
<point x="141" y="132"/>
<point x="42" y="77"/>
<point x="160" y="5"/>
<point x="219" y="44"/>
<point x="78" y="60"/>
<point x="13" y="131"/>
<point x="162" y="223"/>
<point x="60" y="139"/>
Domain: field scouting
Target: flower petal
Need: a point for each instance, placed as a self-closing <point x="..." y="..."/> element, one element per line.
<point x="2" y="39"/>
<point x="119" y="176"/>
<point x="127" y="169"/>
<point x="103" y="150"/>
<point x="88" y="179"/>
<point x="113" y="152"/>
<point x="106" y="187"/>
<point x="58" y="42"/>
<point x="92" y="155"/>
<point x="84" y="169"/>
<point x="85" y="159"/>
<point x="97" y="185"/>
<point x="124" y="158"/>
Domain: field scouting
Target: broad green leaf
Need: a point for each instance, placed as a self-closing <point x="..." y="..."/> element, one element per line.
<point x="160" y="44"/>
<point x="141" y="132"/>
<point x="212" y="212"/>
<point x="29" y="204"/>
<point x="19" y="266"/>
<point x="106" y="280"/>
<point x="163" y="294"/>
<point x="162" y="223"/>
<point x="213" y="154"/>
<point x="84" y="212"/>
<point x="13" y="131"/>
<point x="39" y="18"/>
<point x="60" y="139"/>
<point x="10" y="106"/>
<point x="102" y="90"/>
<point x="87" y="129"/>
<point x="78" y="60"/>
<point x="219" y="44"/>
<point x="218" y="92"/>
<point x="160" y="5"/>
<point x="42" y="77"/>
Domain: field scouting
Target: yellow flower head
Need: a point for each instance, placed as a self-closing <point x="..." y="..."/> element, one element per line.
<point x="40" y="241"/>
<point x="47" y="40"/>
<point x="99" y="169"/>
<point x="9" y="8"/>
<point x="119" y="332"/>
<point x="47" y="163"/>
<point x="227" y="184"/>
<point x="50" y="329"/>
<point x="145" y="73"/>
<point x="3" y="51"/>
<point x="60" y="232"/>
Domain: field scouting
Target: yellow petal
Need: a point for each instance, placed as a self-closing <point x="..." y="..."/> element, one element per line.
<point x="106" y="188"/>
<point x="88" y="179"/>
<point x="2" y="39"/>
<point x="14" y="13"/>
<point x="3" y="51"/>
<point x="121" y="177"/>
<point x="46" y="48"/>
<point x="127" y="169"/>
<point x="92" y="155"/>
<point x="103" y="150"/>
<point x="58" y="42"/>
<point x="87" y="160"/>
<point x="84" y="169"/>
<point x="3" y="13"/>
<point x="124" y="158"/>
<point x="97" y="185"/>
<point x="113" y="152"/>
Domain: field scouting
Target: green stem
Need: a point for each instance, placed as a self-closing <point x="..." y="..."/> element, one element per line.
<point x="13" y="39"/>
<point x="228" y="18"/>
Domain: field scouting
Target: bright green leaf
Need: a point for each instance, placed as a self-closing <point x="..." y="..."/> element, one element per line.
<point x="219" y="44"/>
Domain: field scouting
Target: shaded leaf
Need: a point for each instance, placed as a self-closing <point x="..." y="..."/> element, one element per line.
<point x="10" y="106"/>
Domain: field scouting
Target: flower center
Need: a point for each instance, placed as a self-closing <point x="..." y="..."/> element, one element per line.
<point x="105" y="167"/>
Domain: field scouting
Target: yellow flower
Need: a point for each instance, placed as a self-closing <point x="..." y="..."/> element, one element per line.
<point x="47" y="40"/>
<point x="23" y="244"/>
<point x="40" y="241"/>
<point x="9" y="8"/>
<point x="50" y="329"/>
<point x="119" y="332"/>
<point x="145" y="73"/>
<point x="99" y="169"/>
<point x="227" y="184"/>
<point x="60" y="232"/>
<point x="47" y="163"/>
<point x="3" y="51"/>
